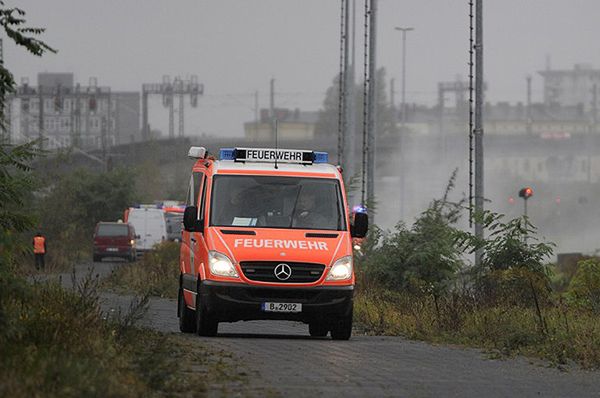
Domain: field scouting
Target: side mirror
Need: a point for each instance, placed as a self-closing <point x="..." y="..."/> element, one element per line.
<point x="138" y="237"/>
<point x="361" y="225"/>
<point x="190" y="220"/>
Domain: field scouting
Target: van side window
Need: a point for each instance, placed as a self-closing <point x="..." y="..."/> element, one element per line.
<point x="197" y="181"/>
<point x="202" y="201"/>
<point x="188" y="196"/>
<point x="193" y="189"/>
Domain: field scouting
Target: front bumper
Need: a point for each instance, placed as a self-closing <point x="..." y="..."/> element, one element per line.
<point x="230" y="302"/>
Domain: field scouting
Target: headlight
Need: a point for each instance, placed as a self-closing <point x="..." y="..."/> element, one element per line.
<point x="221" y="265"/>
<point x="132" y="242"/>
<point x="341" y="269"/>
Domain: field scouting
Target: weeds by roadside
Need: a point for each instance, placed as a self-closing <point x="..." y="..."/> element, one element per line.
<point x="58" y="343"/>
<point x="567" y="334"/>
<point x="155" y="274"/>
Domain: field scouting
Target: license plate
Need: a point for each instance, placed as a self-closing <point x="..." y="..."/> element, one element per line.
<point x="112" y="249"/>
<point x="281" y="307"/>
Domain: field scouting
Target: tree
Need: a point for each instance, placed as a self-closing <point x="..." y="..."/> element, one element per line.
<point x="12" y="20"/>
<point x="15" y="179"/>
<point x="327" y="123"/>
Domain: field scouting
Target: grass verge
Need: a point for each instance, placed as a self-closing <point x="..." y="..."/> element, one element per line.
<point x="58" y="343"/>
<point x="558" y="332"/>
<point x="155" y="274"/>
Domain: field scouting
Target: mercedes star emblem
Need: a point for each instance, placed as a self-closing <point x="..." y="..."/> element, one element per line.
<point x="283" y="272"/>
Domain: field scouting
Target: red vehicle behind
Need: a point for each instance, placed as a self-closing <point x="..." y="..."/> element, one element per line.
<point x="114" y="239"/>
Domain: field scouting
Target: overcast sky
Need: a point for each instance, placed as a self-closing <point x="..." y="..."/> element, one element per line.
<point x="236" y="46"/>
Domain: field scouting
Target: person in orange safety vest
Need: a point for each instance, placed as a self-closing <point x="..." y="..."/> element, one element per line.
<point x="39" y="250"/>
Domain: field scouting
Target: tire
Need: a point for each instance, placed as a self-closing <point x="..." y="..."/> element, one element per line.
<point x="206" y="325"/>
<point x="341" y="329"/>
<point x="317" y="329"/>
<point x="97" y="258"/>
<point x="187" y="317"/>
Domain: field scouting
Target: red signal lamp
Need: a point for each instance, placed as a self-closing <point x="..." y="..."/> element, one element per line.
<point x="526" y="193"/>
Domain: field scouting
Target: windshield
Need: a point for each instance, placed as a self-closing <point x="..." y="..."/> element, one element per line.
<point x="112" y="230"/>
<point x="277" y="202"/>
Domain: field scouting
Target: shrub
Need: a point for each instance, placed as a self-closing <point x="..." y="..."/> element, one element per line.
<point x="584" y="289"/>
<point x="422" y="256"/>
<point x="156" y="274"/>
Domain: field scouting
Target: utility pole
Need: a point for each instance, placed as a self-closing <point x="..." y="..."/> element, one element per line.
<point x="371" y="114"/>
<point x="529" y="118"/>
<point x="478" y="133"/>
<point x="171" y="104"/>
<point x="393" y="102"/>
<point x="256" y="114"/>
<point x="593" y="131"/>
<point x="272" y="107"/>
<point x="75" y="117"/>
<point x="4" y="132"/>
<point x="145" y="126"/>
<point x="403" y="104"/>
<point x="103" y="134"/>
<point x="350" y="93"/>
<point x="346" y="158"/>
<point x="40" y="117"/>
<point x="179" y="91"/>
<point x="403" y="118"/>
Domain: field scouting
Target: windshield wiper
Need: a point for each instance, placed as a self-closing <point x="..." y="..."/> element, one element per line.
<point x="295" y="204"/>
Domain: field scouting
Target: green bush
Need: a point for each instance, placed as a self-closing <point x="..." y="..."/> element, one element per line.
<point x="584" y="289"/>
<point x="58" y="343"/>
<point x="156" y="274"/>
<point x="424" y="256"/>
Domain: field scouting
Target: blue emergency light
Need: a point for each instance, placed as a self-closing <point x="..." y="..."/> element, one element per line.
<point x="321" y="157"/>
<point x="227" y="154"/>
<point x="271" y="155"/>
<point x="359" y="209"/>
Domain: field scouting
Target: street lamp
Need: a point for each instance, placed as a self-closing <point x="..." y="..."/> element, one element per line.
<point x="403" y="30"/>
<point x="402" y="121"/>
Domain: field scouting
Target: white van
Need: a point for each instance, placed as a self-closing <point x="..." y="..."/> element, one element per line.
<point x="150" y="227"/>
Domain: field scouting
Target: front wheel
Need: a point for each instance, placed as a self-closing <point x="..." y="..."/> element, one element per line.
<point x="206" y="325"/>
<point x="187" y="317"/>
<point x="341" y="329"/>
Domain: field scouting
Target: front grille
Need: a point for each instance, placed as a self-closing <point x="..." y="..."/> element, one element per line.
<point x="264" y="271"/>
<point x="297" y="295"/>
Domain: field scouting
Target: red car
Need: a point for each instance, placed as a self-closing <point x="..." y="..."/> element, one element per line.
<point x="114" y="239"/>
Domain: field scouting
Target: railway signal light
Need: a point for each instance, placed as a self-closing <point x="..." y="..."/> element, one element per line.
<point x="526" y="193"/>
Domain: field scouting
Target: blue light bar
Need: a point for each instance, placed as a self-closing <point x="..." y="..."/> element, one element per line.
<point x="321" y="157"/>
<point x="359" y="209"/>
<point x="269" y="155"/>
<point x="227" y="154"/>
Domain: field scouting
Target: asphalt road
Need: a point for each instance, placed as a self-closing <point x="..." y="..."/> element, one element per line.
<point x="282" y="357"/>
